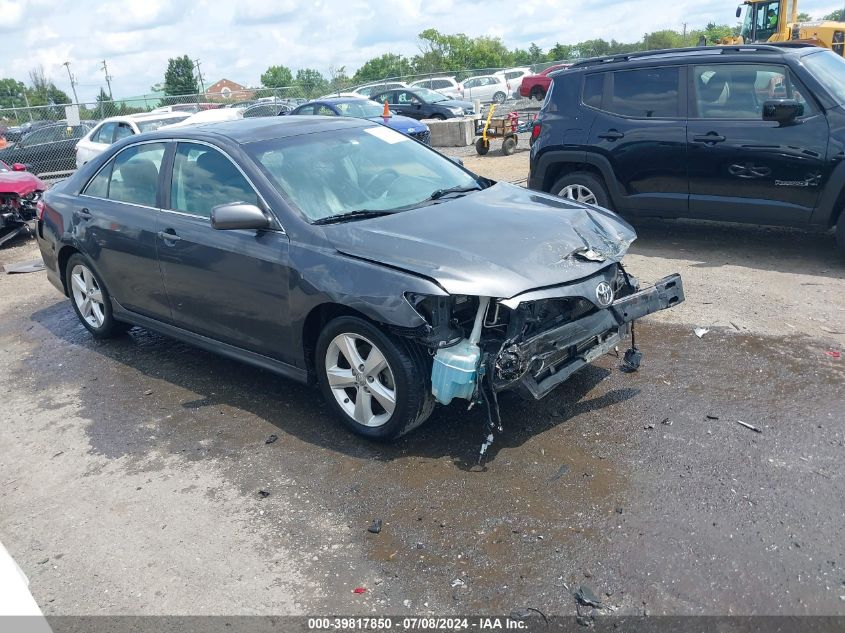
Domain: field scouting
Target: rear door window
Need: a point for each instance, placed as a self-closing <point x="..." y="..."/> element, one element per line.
<point x="131" y="176"/>
<point x="105" y="134"/>
<point x="646" y="93"/>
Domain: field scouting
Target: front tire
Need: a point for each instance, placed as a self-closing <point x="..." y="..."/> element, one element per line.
<point x="582" y="186"/>
<point x="499" y="97"/>
<point x="379" y="385"/>
<point x="90" y="299"/>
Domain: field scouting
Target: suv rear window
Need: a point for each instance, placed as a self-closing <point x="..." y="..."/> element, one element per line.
<point x="646" y="93"/>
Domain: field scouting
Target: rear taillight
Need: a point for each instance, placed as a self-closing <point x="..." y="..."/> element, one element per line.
<point x="535" y="131"/>
<point x="39" y="209"/>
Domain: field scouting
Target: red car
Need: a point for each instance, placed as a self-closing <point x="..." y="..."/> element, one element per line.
<point x="20" y="192"/>
<point x="536" y="86"/>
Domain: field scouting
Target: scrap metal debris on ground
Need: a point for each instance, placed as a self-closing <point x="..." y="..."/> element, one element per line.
<point x="24" y="267"/>
<point x="700" y="331"/>
<point x="749" y="426"/>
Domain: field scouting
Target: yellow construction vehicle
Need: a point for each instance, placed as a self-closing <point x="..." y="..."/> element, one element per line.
<point x="777" y="21"/>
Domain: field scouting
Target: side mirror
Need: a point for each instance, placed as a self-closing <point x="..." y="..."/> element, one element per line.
<point x="738" y="11"/>
<point x="238" y="215"/>
<point x="782" y="110"/>
<point x="18" y="167"/>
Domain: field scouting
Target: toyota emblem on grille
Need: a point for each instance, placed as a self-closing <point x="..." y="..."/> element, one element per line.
<point x="604" y="294"/>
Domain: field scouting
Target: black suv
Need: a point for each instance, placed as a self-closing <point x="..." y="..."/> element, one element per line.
<point x="739" y="133"/>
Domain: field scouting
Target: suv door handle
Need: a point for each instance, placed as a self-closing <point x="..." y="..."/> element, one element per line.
<point x="710" y="137"/>
<point x="612" y="135"/>
<point x="169" y="235"/>
<point x="84" y="213"/>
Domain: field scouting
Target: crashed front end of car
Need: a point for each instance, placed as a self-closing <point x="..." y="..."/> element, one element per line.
<point x="537" y="339"/>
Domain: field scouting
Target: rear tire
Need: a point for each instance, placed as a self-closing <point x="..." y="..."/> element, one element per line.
<point x="384" y="391"/>
<point x="90" y="299"/>
<point x="538" y="93"/>
<point x="509" y="146"/>
<point x="582" y="186"/>
<point x="500" y="97"/>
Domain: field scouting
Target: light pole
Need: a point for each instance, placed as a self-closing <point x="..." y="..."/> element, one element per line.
<point x="72" y="82"/>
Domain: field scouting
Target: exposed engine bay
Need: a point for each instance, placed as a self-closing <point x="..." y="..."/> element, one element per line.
<point x="16" y="212"/>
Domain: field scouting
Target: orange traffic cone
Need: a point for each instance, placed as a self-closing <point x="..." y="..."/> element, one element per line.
<point x="386" y="113"/>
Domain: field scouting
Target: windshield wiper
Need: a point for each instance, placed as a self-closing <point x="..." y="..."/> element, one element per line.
<point x="360" y="214"/>
<point x="436" y="195"/>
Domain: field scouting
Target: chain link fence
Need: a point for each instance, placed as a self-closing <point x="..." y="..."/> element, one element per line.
<point x="43" y="139"/>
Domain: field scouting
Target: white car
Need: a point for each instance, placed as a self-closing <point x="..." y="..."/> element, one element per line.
<point x="485" y="88"/>
<point x="117" y="127"/>
<point x="370" y="89"/>
<point x="446" y="86"/>
<point x="208" y="116"/>
<point x="513" y="77"/>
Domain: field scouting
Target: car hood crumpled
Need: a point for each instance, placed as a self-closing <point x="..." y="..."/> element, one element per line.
<point x="498" y="242"/>
<point x="20" y="182"/>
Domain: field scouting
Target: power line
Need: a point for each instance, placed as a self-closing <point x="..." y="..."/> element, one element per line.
<point x="105" y="69"/>
<point x="72" y="82"/>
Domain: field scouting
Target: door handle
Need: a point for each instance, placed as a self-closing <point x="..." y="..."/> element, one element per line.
<point x="169" y="235"/>
<point x="84" y="213"/>
<point x="612" y="135"/>
<point x="710" y="137"/>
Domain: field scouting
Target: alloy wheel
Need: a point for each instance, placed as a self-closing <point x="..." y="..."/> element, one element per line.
<point x="360" y="379"/>
<point x="87" y="296"/>
<point x="579" y="193"/>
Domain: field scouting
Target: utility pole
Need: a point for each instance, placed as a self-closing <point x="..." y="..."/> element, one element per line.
<point x="685" y="33"/>
<point x="72" y="82"/>
<point x="105" y="69"/>
<point x="199" y="75"/>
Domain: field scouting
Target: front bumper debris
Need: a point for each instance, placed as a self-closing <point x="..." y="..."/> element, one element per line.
<point x="549" y="358"/>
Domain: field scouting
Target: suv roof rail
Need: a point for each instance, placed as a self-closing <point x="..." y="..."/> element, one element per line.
<point x="692" y="50"/>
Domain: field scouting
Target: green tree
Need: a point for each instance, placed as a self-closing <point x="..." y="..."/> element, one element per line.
<point x="559" y="52"/>
<point x="459" y="52"/>
<point x="105" y="106"/>
<point x="663" y="39"/>
<point x="12" y="93"/>
<point x="381" y="67"/>
<point x="836" y="16"/>
<point x="179" y="79"/>
<point x="804" y="17"/>
<point x="277" y="77"/>
<point x="310" y="82"/>
<point x="535" y="53"/>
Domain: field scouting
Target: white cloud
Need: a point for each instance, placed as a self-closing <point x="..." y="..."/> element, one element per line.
<point x="240" y="40"/>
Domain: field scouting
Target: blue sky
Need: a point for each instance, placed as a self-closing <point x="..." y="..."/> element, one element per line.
<point x="239" y="40"/>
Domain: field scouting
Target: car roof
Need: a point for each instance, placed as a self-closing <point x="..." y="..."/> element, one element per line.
<point x="144" y="116"/>
<point x="697" y="54"/>
<point x="244" y="131"/>
<point x="335" y="100"/>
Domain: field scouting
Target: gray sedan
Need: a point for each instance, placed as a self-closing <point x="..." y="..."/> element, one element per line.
<point x="340" y="252"/>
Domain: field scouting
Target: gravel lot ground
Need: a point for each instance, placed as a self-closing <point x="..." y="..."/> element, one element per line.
<point x="130" y="469"/>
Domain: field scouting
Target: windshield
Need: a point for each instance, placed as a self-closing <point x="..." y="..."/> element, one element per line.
<point x="371" y="168"/>
<point x="430" y="96"/>
<point x="828" y="68"/>
<point x="151" y="125"/>
<point x="360" y="109"/>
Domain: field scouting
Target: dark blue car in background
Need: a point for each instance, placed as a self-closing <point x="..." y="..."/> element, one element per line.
<point x="366" y="109"/>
